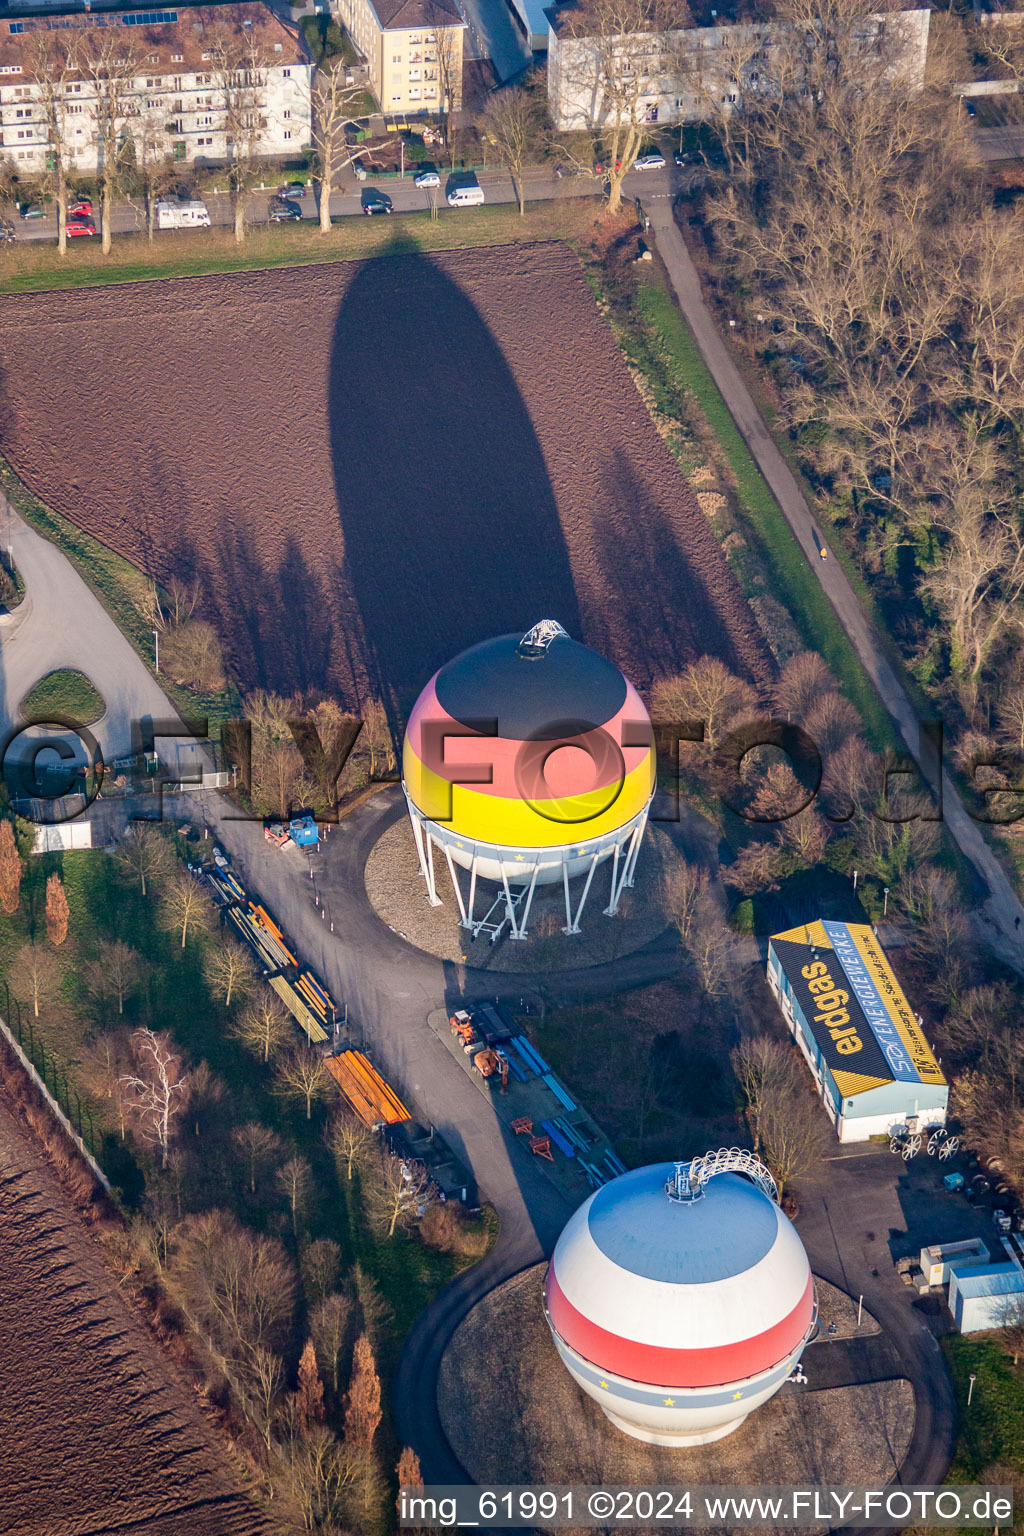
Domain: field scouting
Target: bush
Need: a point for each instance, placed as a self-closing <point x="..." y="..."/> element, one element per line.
<point x="191" y="655"/>
<point x="743" y="916"/>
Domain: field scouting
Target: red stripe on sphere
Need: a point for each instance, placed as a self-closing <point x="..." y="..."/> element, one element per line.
<point x="657" y="1366"/>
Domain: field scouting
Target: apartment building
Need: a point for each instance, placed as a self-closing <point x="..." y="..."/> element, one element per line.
<point x="176" y="106"/>
<point x="688" y="74"/>
<point x="413" y="51"/>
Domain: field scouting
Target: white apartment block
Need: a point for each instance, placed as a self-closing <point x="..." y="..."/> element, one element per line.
<point x="413" y="50"/>
<point x="692" y="73"/>
<point x="176" y="108"/>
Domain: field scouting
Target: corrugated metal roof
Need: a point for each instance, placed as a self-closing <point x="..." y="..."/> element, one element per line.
<point x="989" y="1280"/>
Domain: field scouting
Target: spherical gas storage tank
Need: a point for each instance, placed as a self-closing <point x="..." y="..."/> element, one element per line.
<point x="529" y="759"/>
<point x="680" y="1297"/>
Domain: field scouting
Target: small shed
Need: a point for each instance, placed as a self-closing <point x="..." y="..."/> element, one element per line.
<point x="939" y="1258"/>
<point x="986" y="1295"/>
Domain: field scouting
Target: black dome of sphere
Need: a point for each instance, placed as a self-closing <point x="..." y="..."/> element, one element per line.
<point x="566" y="690"/>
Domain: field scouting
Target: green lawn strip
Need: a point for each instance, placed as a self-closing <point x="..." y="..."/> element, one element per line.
<point x="34" y="268"/>
<point x="63" y="695"/>
<point x="991" y="1430"/>
<point x="797" y="584"/>
<point x="119" y="585"/>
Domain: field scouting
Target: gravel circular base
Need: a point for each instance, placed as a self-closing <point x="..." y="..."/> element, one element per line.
<point x="397" y="894"/>
<point x="513" y="1414"/>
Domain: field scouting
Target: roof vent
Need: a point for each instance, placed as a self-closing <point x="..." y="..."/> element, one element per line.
<point x="536" y="641"/>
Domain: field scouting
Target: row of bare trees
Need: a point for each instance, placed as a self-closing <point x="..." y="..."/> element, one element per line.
<point x="853" y="215"/>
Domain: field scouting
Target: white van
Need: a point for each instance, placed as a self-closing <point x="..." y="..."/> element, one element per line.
<point x="182" y="216"/>
<point x="465" y="197"/>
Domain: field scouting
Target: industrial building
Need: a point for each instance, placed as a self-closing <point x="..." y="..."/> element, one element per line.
<point x="680" y="1297"/>
<point x="847" y="1012"/>
<point x="528" y="760"/>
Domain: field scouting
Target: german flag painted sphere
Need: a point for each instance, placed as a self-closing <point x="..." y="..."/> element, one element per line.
<point x="529" y="742"/>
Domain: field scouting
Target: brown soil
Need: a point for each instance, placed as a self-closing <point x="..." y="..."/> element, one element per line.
<point x="99" y="1435"/>
<point x="373" y="464"/>
<point x="501" y="1367"/>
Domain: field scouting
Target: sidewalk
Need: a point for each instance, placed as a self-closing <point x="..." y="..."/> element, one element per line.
<point x="997" y="922"/>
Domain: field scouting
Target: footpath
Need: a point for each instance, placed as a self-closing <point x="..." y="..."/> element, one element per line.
<point x="999" y="921"/>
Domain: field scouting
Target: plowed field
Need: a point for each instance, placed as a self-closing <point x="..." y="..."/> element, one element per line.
<point x="373" y="464"/>
<point x="97" y="1434"/>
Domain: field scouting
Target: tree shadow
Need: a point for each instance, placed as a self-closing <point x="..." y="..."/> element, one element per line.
<point x="451" y="528"/>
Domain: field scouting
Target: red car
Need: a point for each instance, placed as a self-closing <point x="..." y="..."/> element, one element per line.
<point x="80" y="225"/>
<point x="81" y="205"/>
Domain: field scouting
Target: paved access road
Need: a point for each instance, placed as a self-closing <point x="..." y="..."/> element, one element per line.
<point x="128" y="218"/>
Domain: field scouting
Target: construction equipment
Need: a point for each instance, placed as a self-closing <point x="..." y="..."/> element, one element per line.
<point x="301" y="830"/>
<point x="953" y="1182"/>
<point x="486" y="1062"/>
<point x="461" y="1025"/>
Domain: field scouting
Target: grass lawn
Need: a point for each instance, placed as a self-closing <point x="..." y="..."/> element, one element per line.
<point x="63" y="697"/>
<point x="35" y="267"/>
<point x="990" y="1446"/>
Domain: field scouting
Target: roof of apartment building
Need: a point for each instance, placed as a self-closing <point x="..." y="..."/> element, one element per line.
<point x="171" y="38"/>
<point x="404" y="15"/>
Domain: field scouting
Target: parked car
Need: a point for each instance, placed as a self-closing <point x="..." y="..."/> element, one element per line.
<point x="6" y="232"/>
<point x="282" y="210"/>
<point x="426" y="178"/>
<point x="80" y="225"/>
<point x="375" y="202"/>
<point x="80" y="205"/>
<point x="293" y="189"/>
<point x="32" y="211"/>
<point x="650" y="162"/>
<point x="688" y="157"/>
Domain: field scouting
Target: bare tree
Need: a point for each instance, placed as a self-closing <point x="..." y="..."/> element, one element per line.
<point x="320" y="1474"/>
<point x="263" y="1026"/>
<point x="302" y="1074"/>
<point x="448" y="45"/>
<point x="111" y="63"/>
<point x="706" y="692"/>
<point x="205" y="1100"/>
<point x="239" y="63"/>
<point x="115" y="974"/>
<point x="377" y="735"/>
<point x="682" y="887"/>
<point x="230" y="971"/>
<point x="803" y="680"/>
<point x="710" y="945"/>
<point x="612" y="57"/>
<point x="156" y="1092"/>
<point x="320" y="1262"/>
<point x="145" y="853"/>
<point x="261" y="1149"/>
<point x="397" y="1192"/>
<point x="331" y="1322"/>
<point x="52" y="64"/>
<point x="511" y="121"/>
<point x="185" y="906"/>
<point x="295" y="1181"/>
<point x="334" y="106"/>
<point x="38" y="972"/>
<point x="192" y="656"/>
<point x="786" y="1121"/>
<point x="350" y="1140"/>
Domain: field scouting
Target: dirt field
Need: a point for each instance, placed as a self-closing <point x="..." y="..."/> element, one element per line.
<point x="501" y="1368"/>
<point x="373" y="464"/>
<point x="99" y="1436"/>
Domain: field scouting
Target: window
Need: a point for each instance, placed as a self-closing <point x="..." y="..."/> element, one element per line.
<point x="16" y="27"/>
<point x="204" y="143"/>
<point x="397" y="98"/>
<point x="286" y="135"/>
<point x="24" y="133"/>
<point x="286" y="113"/>
<point x="178" y="150"/>
<point x="148" y="18"/>
<point x="75" y="89"/>
<point x="396" y="58"/>
<point x="205" y="122"/>
<point x="286" y="73"/>
<point x="23" y="112"/>
<point x="177" y="58"/>
<point x="10" y="69"/>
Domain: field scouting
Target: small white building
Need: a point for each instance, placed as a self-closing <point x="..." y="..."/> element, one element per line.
<point x="938" y="1259"/>
<point x="986" y="1295"/>
<point x="176" y="107"/>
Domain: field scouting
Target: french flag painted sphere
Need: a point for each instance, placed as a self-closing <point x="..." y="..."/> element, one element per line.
<point x="679" y="1317"/>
